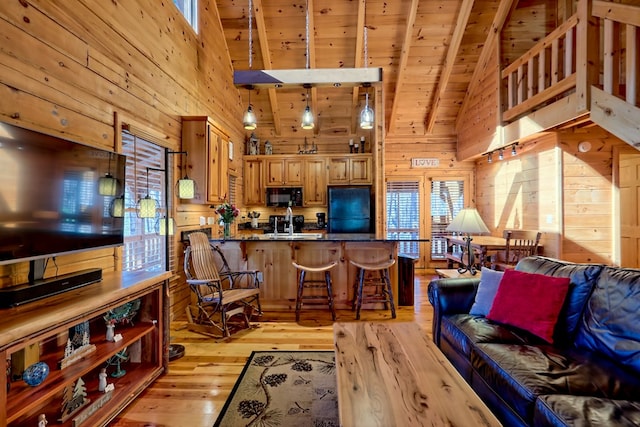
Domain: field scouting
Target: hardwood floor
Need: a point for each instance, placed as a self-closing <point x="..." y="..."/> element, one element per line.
<point x="197" y="385"/>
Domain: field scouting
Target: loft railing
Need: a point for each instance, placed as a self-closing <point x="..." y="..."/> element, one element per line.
<point x="544" y="72"/>
<point x="570" y="60"/>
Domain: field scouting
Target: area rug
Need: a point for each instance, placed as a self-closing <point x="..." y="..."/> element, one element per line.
<point x="284" y="388"/>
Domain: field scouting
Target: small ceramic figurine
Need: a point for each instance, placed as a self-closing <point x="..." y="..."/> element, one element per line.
<point x="42" y="420"/>
<point x="102" y="381"/>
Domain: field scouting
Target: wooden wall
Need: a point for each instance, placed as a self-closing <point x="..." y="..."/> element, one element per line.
<point x="76" y="69"/>
<point x="553" y="187"/>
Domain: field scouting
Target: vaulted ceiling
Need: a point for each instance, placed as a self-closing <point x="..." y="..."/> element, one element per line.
<point x="427" y="49"/>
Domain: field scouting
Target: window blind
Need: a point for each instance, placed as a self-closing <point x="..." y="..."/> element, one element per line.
<point x="447" y="199"/>
<point x="403" y="214"/>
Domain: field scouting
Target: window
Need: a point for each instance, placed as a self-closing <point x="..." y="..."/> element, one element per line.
<point x="403" y="215"/>
<point x="144" y="248"/>
<point x="447" y="199"/>
<point x="189" y="9"/>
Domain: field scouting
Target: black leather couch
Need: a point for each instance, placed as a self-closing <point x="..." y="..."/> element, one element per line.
<point x="589" y="377"/>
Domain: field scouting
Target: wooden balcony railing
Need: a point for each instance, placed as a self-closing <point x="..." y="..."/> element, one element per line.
<point x="602" y="57"/>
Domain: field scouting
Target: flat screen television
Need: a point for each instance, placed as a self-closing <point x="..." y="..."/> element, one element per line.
<point x="50" y="203"/>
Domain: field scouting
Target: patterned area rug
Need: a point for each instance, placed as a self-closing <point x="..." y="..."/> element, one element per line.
<point x="284" y="388"/>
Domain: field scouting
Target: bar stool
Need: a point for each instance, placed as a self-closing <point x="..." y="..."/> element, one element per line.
<point x="305" y="282"/>
<point x="379" y="287"/>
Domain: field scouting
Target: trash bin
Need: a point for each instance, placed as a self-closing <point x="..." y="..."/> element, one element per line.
<point x="406" y="275"/>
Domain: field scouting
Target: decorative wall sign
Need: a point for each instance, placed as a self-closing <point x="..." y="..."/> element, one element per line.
<point x="425" y="163"/>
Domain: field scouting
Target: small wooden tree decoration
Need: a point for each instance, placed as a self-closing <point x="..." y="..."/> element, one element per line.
<point x="74" y="397"/>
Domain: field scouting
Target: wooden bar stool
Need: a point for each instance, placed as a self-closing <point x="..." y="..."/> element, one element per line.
<point x="373" y="289"/>
<point x="305" y="282"/>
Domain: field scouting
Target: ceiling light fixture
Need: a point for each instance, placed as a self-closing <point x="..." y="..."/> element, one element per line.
<point x="307" y="116"/>
<point x="501" y="151"/>
<point x="366" y="115"/>
<point x="249" y="119"/>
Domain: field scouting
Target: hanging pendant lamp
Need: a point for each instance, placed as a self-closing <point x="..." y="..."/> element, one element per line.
<point x="366" y="115"/>
<point x="307" y="116"/>
<point x="249" y="119"/>
<point x="108" y="185"/>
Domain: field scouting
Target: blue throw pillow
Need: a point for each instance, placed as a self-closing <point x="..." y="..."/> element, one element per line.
<point x="487" y="288"/>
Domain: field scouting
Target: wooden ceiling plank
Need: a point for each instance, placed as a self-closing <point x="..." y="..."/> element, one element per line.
<point x="359" y="60"/>
<point x="404" y="56"/>
<point x="266" y="62"/>
<point x="452" y="52"/>
<point x="504" y="9"/>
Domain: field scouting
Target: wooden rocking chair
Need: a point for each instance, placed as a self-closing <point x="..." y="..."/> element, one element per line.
<point x="218" y="293"/>
<point x="520" y="244"/>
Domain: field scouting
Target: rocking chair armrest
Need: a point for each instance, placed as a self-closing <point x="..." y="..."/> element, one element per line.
<point x="199" y="281"/>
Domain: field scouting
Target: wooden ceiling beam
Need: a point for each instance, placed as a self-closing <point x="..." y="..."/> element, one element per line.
<point x="402" y="65"/>
<point x="358" y="62"/>
<point x="452" y="52"/>
<point x="317" y="77"/>
<point x="266" y="62"/>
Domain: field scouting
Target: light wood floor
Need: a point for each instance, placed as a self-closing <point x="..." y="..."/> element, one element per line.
<point x="194" y="390"/>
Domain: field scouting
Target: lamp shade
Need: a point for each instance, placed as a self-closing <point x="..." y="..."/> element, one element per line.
<point x="307" y="118"/>
<point x="116" y="209"/>
<point x="468" y="221"/>
<point x="186" y="188"/>
<point x="366" y="115"/>
<point x="107" y="185"/>
<point x="165" y="226"/>
<point x="249" y="120"/>
<point x="147" y="207"/>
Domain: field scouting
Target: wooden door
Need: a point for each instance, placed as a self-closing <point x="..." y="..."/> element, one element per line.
<point x="629" y="166"/>
<point x="293" y="173"/>
<point x="214" y="171"/>
<point x="339" y="170"/>
<point x="274" y="171"/>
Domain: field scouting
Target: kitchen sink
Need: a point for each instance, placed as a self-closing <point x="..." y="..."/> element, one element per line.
<point x="294" y="236"/>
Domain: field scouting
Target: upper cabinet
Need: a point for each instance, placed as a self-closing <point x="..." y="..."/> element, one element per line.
<point x="315" y="181"/>
<point x="281" y="171"/>
<point x="208" y="158"/>
<point x="350" y="169"/>
<point x="254" y="192"/>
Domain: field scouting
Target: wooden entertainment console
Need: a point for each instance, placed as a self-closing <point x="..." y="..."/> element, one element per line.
<point x="39" y="332"/>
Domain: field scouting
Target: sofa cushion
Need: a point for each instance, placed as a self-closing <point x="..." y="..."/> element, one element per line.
<point x="530" y="301"/>
<point x="520" y="373"/>
<point x="585" y="411"/>
<point x="487" y="288"/>
<point x="583" y="278"/>
<point x="611" y="323"/>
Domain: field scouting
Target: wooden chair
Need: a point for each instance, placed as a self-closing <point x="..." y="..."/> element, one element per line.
<point x="520" y="244"/>
<point x="218" y="294"/>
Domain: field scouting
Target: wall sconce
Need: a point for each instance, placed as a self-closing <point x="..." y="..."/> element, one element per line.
<point x="307" y="116"/>
<point x="185" y="187"/>
<point x="147" y="207"/>
<point x="116" y="208"/>
<point x="108" y="185"/>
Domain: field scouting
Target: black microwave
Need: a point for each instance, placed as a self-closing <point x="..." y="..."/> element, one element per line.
<point x="281" y="196"/>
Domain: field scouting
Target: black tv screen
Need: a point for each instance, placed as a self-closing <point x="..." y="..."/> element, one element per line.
<point x="49" y="199"/>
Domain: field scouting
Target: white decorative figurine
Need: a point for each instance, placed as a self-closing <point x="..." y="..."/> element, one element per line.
<point x="102" y="381"/>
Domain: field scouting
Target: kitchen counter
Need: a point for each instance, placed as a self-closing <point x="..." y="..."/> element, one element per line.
<point x="320" y="237"/>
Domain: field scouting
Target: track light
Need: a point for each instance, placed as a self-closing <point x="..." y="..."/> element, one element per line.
<point x="500" y="151"/>
<point x="513" y="150"/>
<point x="501" y="154"/>
<point x="490" y="158"/>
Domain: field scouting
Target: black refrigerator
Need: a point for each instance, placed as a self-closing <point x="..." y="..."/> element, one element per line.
<point x="350" y="209"/>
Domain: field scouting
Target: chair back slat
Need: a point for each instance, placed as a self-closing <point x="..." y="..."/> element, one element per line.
<point x="203" y="261"/>
<point x="521" y="244"/>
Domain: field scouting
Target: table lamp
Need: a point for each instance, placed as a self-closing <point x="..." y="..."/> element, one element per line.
<point x="468" y="221"/>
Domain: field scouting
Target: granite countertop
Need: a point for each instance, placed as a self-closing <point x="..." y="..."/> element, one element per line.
<point x="316" y="237"/>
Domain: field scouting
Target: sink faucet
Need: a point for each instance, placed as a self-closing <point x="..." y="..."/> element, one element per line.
<point x="289" y="218"/>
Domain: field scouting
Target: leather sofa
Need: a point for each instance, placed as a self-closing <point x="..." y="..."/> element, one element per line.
<point x="589" y="376"/>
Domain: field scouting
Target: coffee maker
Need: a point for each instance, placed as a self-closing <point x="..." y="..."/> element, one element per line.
<point x="322" y="219"/>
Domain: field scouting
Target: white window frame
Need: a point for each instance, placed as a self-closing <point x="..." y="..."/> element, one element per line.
<point x="189" y="9"/>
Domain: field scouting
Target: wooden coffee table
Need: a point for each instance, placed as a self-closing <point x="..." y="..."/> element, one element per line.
<point x="392" y="374"/>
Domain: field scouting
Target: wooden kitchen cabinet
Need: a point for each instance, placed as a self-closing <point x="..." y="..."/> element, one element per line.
<point x="315" y="182"/>
<point x="282" y="171"/>
<point x="208" y="158"/>
<point x="253" y="179"/>
<point x="47" y="325"/>
<point x="350" y="169"/>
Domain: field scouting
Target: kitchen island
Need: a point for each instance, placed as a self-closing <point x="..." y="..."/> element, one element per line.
<point x="272" y="255"/>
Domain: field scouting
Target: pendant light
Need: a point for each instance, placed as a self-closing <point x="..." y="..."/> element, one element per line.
<point x="185" y="187"/>
<point x="116" y="208"/>
<point x="165" y="226"/>
<point x="108" y="185"/>
<point x="147" y="207"/>
<point x="249" y="119"/>
<point x="307" y="116"/>
<point x="366" y="115"/>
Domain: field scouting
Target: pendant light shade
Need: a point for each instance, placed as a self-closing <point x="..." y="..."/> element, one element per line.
<point x="307" y="118"/>
<point x="249" y="119"/>
<point x="186" y="188"/>
<point x="116" y="208"/>
<point x="107" y="185"/>
<point x="147" y="207"/>
<point x="166" y="226"/>
<point x="366" y="115"/>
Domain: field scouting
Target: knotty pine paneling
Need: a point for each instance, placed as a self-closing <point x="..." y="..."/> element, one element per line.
<point x="67" y="68"/>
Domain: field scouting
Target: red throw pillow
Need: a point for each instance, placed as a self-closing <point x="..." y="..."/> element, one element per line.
<point x="530" y="301"/>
